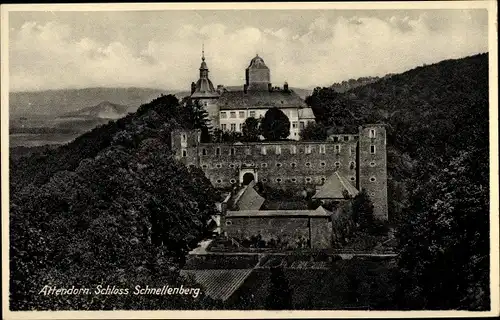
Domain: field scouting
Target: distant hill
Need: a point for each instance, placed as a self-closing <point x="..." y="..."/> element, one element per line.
<point x="104" y="110"/>
<point x="354" y="83"/>
<point x="60" y="102"/>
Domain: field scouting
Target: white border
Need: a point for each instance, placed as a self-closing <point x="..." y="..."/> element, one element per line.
<point x="491" y="5"/>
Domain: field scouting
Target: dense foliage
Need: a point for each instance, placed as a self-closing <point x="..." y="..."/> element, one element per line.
<point x="275" y="125"/>
<point x="111" y="208"/>
<point x="314" y="132"/>
<point x="438" y="165"/>
<point x="251" y="130"/>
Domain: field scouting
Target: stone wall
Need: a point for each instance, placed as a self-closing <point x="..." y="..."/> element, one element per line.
<point x="287" y="228"/>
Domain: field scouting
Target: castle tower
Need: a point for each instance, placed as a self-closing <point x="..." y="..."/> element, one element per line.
<point x="204" y="92"/>
<point x="373" y="167"/>
<point x="258" y="75"/>
<point x="184" y="144"/>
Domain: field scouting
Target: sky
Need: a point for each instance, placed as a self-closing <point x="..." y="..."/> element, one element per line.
<point x="162" y="49"/>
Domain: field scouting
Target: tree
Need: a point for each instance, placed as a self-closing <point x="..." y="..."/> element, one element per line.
<point x="251" y="130"/>
<point x="196" y="117"/>
<point x="362" y="209"/>
<point x="275" y="125"/>
<point x="280" y="294"/>
<point x="314" y="132"/>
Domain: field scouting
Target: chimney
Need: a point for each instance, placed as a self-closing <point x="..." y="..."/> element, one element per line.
<point x="285" y="86"/>
<point x="269" y="87"/>
<point x="193" y="87"/>
<point x="245" y="88"/>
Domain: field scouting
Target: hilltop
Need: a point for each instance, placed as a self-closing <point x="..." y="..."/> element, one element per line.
<point x="104" y="110"/>
<point x="437" y="124"/>
<point x="111" y="207"/>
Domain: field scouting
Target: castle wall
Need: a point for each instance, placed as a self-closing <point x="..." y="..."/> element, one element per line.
<point x="281" y="167"/>
<point x="289" y="229"/>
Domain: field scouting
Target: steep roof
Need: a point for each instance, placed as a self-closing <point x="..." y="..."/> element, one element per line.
<point x="219" y="283"/>
<point x="319" y="212"/>
<point x="334" y="187"/>
<point x="248" y="198"/>
<point x="259" y="99"/>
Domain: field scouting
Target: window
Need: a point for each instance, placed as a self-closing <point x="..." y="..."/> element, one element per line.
<point x="346" y="138"/>
<point x="184" y="152"/>
<point x="229" y="222"/>
<point x="218" y="165"/>
<point x="241" y="127"/>
<point x="335" y="139"/>
<point x="252" y="114"/>
<point x="184" y="137"/>
<point x="264" y="180"/>
<point x="350" y="150"/>
<point x="293" y="164"/>
<point x="242" y="114"/>
<point x="233" y="126"/>
<point x="217" y="151"/>
<point x="323" y="179"/>
<point x="232" y="114"/>
<point x="308" y="164"/>
<point x="278" y="180"/>
<point x="232" y="181"/>
<point x="278" y="165"/>
<point x="372" y="164"/>
<point x="294" y="180"/>
<point x="294" y="124"/>
<point x="352" y="165"/>
<point x="219" y="180"/>
<point x="322" y="148"/>
<point x="308" y="149"/>
<point x="223" y="115"/>
<point x="352" y="178"/>
<point x="278" y="149"/>
<point x="248" y="151"/>
<point x="301" y="125"/>
<point x="223" y="127"/>
<point x="204" y="151"/>
<point x="337" y="165"/>
<point x="231" y="152"/>
<point x="204" y="166"/>
<point x="372" y="149"/>
<point x="293" y="150"/>
<point x="263" y="150"/>
<point x="263" y="165"/>
<point x="337" y="148"/>
<point x="322" y="163"/>
<point x="231" y="166"/>
<point x="372" y="194"/>
<point x="308" y="179"/>
<point x="373" y="179"/>
<point x="372" y="133"/>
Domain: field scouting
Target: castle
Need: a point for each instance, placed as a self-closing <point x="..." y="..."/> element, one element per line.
<point x="228" y="109"/>
<point x="341" y="165"/>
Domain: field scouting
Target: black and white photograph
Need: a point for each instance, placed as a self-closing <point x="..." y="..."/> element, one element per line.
<point x="249" y="160"/>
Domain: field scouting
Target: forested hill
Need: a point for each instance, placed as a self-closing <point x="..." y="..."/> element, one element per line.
<point x="110" y="208"/>
<point x="438" y="165"/>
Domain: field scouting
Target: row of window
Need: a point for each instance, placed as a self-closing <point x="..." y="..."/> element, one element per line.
<point x="232" y="126"/>
<point x="352" y="165"/>
<point x="307" y="179"/>
<point x="277" y="150"/>
<point x="252" y="113"/>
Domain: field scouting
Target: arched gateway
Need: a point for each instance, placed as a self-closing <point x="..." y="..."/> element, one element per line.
<point x="248" y="175"/>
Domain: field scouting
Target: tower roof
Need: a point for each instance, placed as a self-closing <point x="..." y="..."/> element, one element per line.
<point x="257" y="63"/>
<point x="204" y="87"/>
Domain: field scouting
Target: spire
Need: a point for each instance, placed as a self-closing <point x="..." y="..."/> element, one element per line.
<point x="203" y="51"/>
